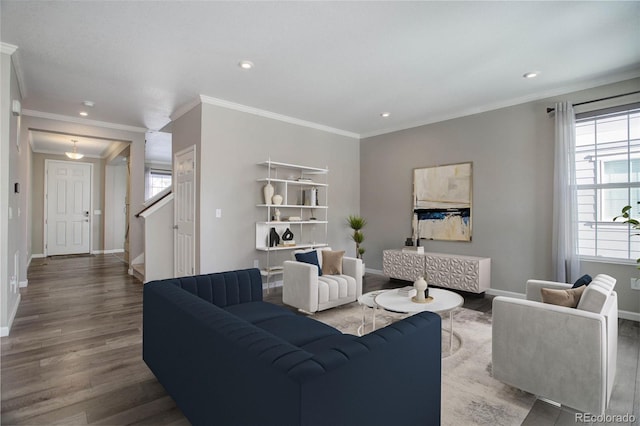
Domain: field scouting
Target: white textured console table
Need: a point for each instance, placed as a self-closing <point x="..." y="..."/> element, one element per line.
<point x="466" y="273"/>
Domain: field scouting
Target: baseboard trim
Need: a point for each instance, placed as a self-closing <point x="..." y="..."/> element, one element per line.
<point x="272" y="284"/>
<point x="373" y="271"/>
<point x="107" y="251"/>
<point x="4" y="331"/>
<point x="628" y="315"/>
<point x="496" y="292"/>
<point x="112" y="251"/>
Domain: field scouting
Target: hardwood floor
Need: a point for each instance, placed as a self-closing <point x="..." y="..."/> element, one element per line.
<point x="74" y="353"/>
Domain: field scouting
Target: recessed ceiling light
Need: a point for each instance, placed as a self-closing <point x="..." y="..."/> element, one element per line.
<point x="246" y="65"/>
<point x="89" y="104"/>
<point x="84" y="113"/>
<point x="531" y="74"/>
<point x="385" y="114"/>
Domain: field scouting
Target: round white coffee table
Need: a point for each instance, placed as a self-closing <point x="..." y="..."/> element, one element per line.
<point x="367" y="300"/>
<point x="444" y="301"/>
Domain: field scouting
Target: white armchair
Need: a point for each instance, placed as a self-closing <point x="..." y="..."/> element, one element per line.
<point x="304" y="289"/>
<point x="567" y="355"/>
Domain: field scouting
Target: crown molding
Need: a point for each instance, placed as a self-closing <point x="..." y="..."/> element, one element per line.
<point x="76" y="120"/>
<point x="7" y="49"/>
<point x="617" y="78"/>
<point x="275" y="116"/>
<point x="10" y="49"/>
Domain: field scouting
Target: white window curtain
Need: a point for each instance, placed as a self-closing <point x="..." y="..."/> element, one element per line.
<point x="566" y="263"/>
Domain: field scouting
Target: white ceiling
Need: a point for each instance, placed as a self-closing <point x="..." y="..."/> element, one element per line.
<point x="337" y="64"/>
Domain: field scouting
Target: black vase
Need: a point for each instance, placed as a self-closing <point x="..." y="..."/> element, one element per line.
<point x="288" y="235"/>
<point x="274" y="238"/>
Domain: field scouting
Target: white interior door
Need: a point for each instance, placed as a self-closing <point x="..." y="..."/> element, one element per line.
<point x="67" y="207"/>
<point x="184" y="185"/>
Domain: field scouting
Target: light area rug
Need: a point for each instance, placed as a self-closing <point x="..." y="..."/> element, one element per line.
<point x="470" y="396"/>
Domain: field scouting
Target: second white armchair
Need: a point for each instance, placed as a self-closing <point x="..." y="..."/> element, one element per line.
<point x="564" y="354"/>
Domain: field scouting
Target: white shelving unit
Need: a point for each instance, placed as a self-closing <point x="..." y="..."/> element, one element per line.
<point x="309" y="223"/>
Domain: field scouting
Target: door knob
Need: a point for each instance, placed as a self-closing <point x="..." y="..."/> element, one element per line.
<point x="86" y="213"/>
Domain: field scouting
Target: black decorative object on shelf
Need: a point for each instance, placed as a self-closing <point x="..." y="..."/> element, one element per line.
<point x="287" y="235"/>
<point x="409" y="242"/>
<point x="274" y="238"/>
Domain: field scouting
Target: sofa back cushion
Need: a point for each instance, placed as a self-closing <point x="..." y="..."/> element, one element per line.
<point x="595" y="295"/>
<point x="224" y="288"/>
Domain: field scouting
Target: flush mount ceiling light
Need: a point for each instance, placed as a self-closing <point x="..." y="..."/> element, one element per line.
<point x="246" y="65"/>
<point x="531" y="74"/>
<point x="385" y="114"/>
<point x="89" y="104"/>
<point x="84" y="113"/>
<point x="74" y="154"/>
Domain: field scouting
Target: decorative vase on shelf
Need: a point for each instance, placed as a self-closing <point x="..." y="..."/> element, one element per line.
<point x="288" y="235"/>
<point x="274" y="238"/>
<point x="277" y="199"/>
<point x="421" y="287"/>
<point x="267" y="191"/>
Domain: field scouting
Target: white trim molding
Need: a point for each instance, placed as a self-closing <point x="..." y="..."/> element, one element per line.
<point x="78" y="120"/>
<point x="267" y="114"/>
<point x="112" y="251"/>
<point x="628" y="315"/>
<point x="23" y="284"/>
<point x="4" y="331"/>
<point x="7" y="49"/>
<point x="496" y="292"/>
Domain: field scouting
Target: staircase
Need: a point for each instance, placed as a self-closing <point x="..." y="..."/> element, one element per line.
<point x="138" y="271"/>
<point x="156" y="262"/>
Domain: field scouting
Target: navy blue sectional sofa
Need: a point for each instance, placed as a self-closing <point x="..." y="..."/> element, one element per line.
<point x="229" y="358"/>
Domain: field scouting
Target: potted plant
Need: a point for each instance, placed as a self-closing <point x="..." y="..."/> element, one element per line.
<point x="356" y="223"/>
<point x="635" y="224"/>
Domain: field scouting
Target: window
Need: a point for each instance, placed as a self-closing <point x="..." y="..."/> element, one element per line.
<point x="607" y="179"/>
<point x="158" y="180"/>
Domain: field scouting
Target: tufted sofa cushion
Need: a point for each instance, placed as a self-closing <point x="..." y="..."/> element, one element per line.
<point x="224" y="288"/>
<point x="334" y="287"/>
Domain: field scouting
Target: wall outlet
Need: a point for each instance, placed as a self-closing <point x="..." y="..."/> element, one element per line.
<point x="635" y="283"/>
<point x="218" y="213"/>
<point x="256" y="263"/>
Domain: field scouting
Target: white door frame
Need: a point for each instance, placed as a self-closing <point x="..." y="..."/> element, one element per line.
<point x="176" y="206"/>
<point x="45" y="228"/>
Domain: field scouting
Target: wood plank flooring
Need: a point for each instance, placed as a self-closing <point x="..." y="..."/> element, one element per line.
<point x="74" y="355"/>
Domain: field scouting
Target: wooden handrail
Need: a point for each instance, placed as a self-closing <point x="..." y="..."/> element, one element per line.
<point x="154" y="203"/>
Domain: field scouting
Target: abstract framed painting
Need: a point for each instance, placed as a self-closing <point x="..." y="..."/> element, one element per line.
<point x="442" y="201"/>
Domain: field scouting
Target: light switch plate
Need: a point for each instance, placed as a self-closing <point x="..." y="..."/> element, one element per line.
<point x="635" y="283"/>
<point x="218" y="213"/>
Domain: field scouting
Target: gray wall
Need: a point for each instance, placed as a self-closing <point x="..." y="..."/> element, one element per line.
<point x="232" y="145"/>
<point x="512" y="154"/>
